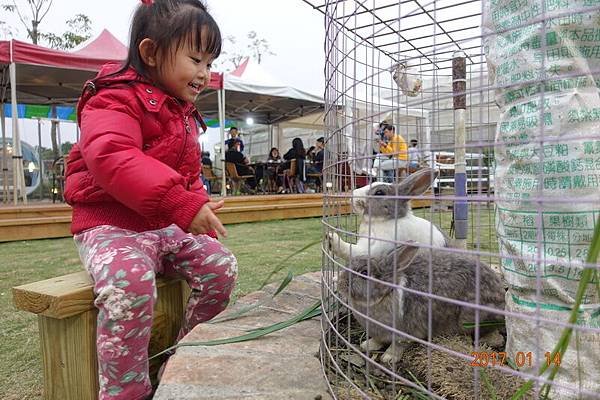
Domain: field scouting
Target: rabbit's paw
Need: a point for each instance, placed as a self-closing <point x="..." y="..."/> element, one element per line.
<point x="371" y="345"/>
<point x="393" y="354"/>
<point x="333" y="242"/>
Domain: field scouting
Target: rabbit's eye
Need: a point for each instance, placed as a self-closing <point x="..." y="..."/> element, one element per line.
<point x="379" y="192"/>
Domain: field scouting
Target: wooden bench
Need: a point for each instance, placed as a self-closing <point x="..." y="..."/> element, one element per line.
<point x="67" y="329"/>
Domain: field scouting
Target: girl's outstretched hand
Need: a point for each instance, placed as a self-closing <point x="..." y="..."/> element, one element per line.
<point x="206" y="220"/>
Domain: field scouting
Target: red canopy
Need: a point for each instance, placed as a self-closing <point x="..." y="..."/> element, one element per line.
<point x="53" y="76"/>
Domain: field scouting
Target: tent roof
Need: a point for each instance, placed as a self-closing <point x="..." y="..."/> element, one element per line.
<point x="103" y="44"/>
<point x="48" y="76"/>
<point x="252" y="92"/>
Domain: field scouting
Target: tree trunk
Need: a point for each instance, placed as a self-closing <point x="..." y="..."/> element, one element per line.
<point x="34" y="32"/>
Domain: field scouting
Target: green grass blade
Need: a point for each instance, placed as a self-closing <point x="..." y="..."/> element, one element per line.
<point x="309" y="312"/>
<point x="284" y="263"/>
<point x="488" y="385"/>
<point x="483" y="324"/>
<point x="251" y="307"/>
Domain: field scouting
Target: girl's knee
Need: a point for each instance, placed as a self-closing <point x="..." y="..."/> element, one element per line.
<point x="124" y="298"/>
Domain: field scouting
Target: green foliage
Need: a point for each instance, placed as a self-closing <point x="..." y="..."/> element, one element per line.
<point x="80" y="28"/>
<point x="31" y="17"/>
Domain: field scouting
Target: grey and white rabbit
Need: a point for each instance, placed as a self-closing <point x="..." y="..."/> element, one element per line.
<point x="387" y="217"/>
<point x="453" y="276"/>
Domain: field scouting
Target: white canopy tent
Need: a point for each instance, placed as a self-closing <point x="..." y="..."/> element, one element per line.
<point x="250" y="92"/>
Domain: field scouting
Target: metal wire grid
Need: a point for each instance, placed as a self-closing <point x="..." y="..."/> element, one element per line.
<point x="364" y="41"/>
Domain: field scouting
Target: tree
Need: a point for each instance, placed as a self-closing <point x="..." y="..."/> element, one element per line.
<point x="254" y="47"/>
<point x="80" y="29"/>
<point x="38" y="8"/>
<point x="259" y="47"/>
<point x="79" y="26"/>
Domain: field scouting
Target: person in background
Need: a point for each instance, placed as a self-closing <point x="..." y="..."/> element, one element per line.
<point x="396" y="147"/>
<point x="140" y="210"/>
<point x="234" y="136"/>
<point x="233" y="155"/>
<point x="317" y="166"/>
<point x="414" y="156"/>
<point x="297" y="152"/>
<point x="310" y="153"/>
<point x="273" y="164"/>
<point x="206" y="162"/>
<point x="206" y="158"/>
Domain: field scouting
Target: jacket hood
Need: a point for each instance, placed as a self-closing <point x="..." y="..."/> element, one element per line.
<point x="108" y="75"/>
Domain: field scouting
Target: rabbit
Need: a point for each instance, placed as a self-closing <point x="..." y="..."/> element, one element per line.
<point x="453" y="277"/>
<point x="389" y="218"/>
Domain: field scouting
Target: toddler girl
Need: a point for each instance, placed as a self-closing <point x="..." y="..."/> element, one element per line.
<point x="139" y="208"/>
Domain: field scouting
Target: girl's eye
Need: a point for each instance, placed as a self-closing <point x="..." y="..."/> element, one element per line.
<point x="196" y="60"/>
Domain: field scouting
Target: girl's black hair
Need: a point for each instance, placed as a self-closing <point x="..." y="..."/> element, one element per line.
<point x="170" y="23"/>
<point x="271" y="153"/>
<point x="299" y="147"/>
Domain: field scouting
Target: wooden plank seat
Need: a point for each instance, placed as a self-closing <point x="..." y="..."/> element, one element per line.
<point x="67" y="329"/>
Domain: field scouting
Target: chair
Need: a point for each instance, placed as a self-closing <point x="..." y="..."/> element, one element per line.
<point x="318" y="178"/>
<point x="289" y="177"/>
<point x="59" y="170"/>
<point x="235" y="180"/>
<point x="214" y="181"/>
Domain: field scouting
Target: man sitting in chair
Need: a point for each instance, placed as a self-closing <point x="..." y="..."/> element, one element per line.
<point x="397" y="149"/>
<point x="241" y="162"/>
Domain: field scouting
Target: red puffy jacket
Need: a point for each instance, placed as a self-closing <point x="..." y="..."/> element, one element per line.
<point x="137" y="164"/>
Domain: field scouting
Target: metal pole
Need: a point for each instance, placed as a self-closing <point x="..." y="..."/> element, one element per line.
<point x="39" y="124"/>
<point x="461" y="208"/>
<point x="221" y="100"/>
<point x="4" y="154"/>
<point x="18" y="173"/>
<point x="3" y="84"/>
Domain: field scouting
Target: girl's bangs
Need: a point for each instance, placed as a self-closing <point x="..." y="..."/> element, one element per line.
<point x="204" y="34"/>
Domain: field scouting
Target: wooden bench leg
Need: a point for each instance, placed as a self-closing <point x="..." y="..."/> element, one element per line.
<point x="69" y="356"/>
<point x="68" y="345"/>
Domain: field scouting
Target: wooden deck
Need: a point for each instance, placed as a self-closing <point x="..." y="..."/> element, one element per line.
<point x="44" y="221"/>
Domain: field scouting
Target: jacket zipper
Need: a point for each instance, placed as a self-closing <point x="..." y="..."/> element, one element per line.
<point x="188" y="129"/>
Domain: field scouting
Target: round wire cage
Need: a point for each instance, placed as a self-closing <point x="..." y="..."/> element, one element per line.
<point x="457" y="261"/>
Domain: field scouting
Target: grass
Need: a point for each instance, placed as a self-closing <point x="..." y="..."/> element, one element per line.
<point x="259" y="248"/>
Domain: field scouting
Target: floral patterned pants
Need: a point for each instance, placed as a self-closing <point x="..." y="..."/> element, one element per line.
<point x="123" y="265"/>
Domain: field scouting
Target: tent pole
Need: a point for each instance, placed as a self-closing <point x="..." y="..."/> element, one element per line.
<point x="39" y="124"/>
<point x="18" y="177"/>
<point x="3" y="85"/>
<point x="4" y="154"/>
<point x="221" y="100"/>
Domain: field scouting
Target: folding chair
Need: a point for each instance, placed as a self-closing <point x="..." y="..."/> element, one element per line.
<point x="212" y="179"/>
<point x="235" y="180"/>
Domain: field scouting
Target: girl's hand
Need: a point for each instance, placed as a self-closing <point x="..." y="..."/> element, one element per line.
<point x="206" y="220"/>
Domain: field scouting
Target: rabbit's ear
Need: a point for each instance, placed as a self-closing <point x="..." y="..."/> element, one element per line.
<point x="417" y="183"/>
<point x="402" y="256"/>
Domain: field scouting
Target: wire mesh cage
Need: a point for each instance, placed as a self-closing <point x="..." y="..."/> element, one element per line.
<point x="461" y="190"/>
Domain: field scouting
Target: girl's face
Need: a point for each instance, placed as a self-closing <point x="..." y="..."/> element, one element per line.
<point x="275" y="153"/>
<point x="186" y="74"/>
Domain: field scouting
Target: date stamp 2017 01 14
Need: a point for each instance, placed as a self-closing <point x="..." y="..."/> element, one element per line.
<point x="520" y="359"/>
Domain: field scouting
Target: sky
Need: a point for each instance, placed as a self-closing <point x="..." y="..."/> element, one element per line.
<point x="294" y="31"/>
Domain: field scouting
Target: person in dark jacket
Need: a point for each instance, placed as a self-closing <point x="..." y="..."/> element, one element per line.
<point x="297" y="152"/>
<point x="232" y="155"/>
<point x="234" y="136"/>
<point x="139" y="207"/>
